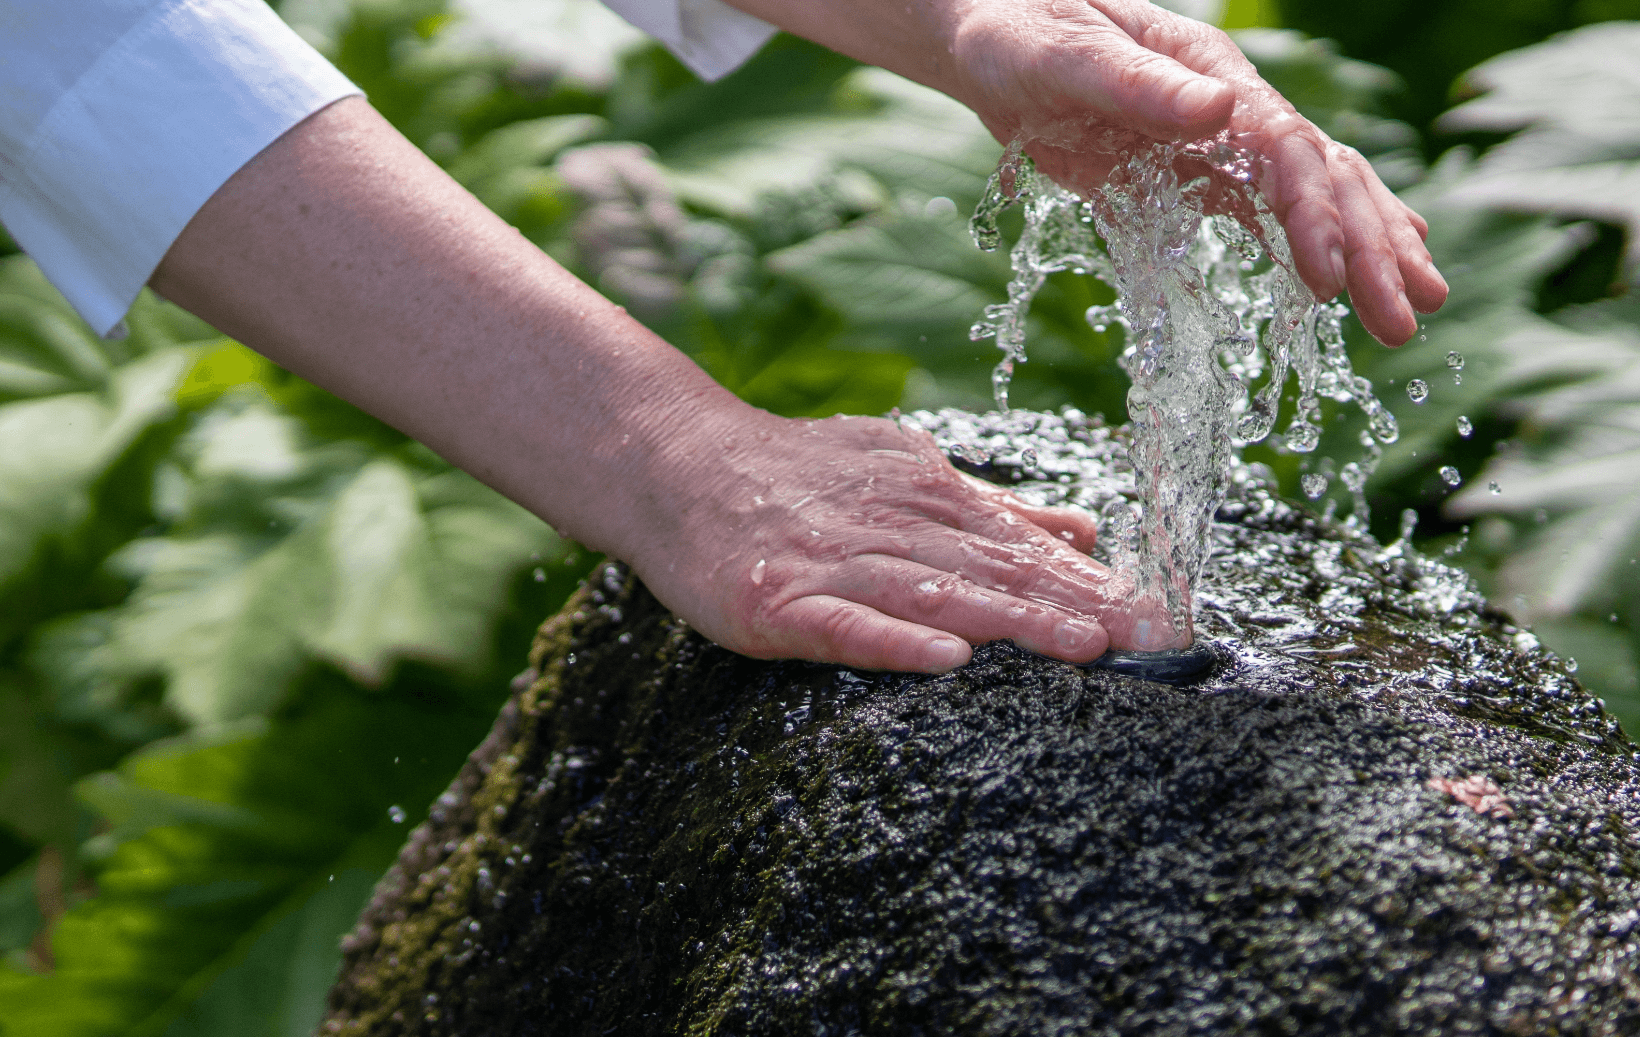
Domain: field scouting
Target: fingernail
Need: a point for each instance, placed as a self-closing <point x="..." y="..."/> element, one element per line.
<point x="1193" y="97"/>
<point x="945" y="653"/>
<point x="1339" y="270"/>
<point x="1073" y="633"/>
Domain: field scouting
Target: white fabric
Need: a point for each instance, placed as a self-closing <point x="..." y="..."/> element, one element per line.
<point x="709" y="36"/>
<point x="120" y="118"/>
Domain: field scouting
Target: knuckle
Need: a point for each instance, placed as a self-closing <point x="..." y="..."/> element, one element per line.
<point x="843" y="625"/>
<point x="933" y="594"/>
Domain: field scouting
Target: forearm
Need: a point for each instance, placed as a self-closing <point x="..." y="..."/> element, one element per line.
<point x="345" y="255"/>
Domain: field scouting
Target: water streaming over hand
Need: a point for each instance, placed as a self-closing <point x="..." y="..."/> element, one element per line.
<point x="1210" y="306"/>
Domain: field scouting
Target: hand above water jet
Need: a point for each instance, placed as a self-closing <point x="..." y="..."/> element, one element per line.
<point x="1074" y="79"/>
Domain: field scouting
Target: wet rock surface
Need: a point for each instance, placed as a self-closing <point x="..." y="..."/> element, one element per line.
<point x="1384" y="811"/>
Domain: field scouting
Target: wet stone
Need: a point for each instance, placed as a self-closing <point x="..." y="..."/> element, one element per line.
<point x="1385" y="810"/>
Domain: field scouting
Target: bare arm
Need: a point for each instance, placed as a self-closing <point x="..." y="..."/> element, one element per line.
<point x="345" y="255"/>
<point x="1057" y="72"/>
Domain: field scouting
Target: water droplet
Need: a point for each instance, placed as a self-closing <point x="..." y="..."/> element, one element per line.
<point x="1612" y="618"/>
<point x="539" y="575"/>
<point x="1571" y="665"/>
<point x="1409" y="522"/>
<point x="1027" y="457"/>
<point x="1454" y="360"/>
<point x="939" y="208"/>
<point x="1465" y="427"/>
<point x="1302" y="437"/>
<point x="397" y="814"/>
<point x="1417" y="390"/>
<point x="1494" y="488"/>
<point x="1314" y="483"/>
<point x="1450" y="476"/>
<point x="758" y="571"/>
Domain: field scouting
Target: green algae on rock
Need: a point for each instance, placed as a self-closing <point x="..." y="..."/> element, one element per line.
<point x="1387" y="812"/>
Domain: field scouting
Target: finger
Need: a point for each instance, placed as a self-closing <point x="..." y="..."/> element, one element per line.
<point x="1299" y="186"/>
<point x="1377" y="290"/>
<point x="1072" y="525"/>
<point x="829" y="629"/>
<point x="1425" y="287"/>
<point x="998" y="548"/>
<point x="930" y="597"/>
<point x="1075" y="585"/>
<point x="1019" y="572"/>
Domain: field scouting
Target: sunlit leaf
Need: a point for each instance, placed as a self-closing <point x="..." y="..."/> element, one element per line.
<point x="376" y="567"/>
<point x="235" y="862"/>
<point x="1576" y="101"/>
<point x="908" y="138"/>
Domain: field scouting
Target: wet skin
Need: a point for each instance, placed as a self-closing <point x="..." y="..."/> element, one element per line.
<point x="345" y="255"/>
<point x="1071" y="77"/>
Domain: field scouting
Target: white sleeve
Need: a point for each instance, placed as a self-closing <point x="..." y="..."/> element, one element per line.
<point x="120" y="118"/>
<point x="709" y="36"/>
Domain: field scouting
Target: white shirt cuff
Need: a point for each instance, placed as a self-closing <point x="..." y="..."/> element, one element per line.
<point x="709" y="36"/>
<point x="126" y="157"/>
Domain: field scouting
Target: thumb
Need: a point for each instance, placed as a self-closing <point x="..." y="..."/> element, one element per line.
<point x="1152" y="93"/>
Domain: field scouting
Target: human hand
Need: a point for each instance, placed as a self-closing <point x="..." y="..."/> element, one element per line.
<point x="850" y="540"/>
<point x="1063" y="74"/>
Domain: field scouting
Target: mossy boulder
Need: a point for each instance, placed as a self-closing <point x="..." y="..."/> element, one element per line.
<point x="1385" y="812"/>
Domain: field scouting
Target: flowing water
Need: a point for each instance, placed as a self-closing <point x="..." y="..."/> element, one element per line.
<point x="1216" y="323"/>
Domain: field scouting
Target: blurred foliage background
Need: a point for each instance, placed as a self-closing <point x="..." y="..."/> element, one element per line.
<point x="247" y="633"/>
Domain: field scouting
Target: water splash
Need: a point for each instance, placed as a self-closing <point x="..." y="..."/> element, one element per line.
<point x="1210" y="306"/>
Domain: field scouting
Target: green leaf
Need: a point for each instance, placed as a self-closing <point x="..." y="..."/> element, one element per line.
<point x="914" y="283"/>
<point x="907" y="137"/>
<point x="1576" y="101"/>
<point x="19" y="909"/>
<point x="378" y="566"/>
<point x="236" y="862"/>
<point x="78" y="416"/>
<point x="1579" y="470"/>
<point x="1571" y="381"/>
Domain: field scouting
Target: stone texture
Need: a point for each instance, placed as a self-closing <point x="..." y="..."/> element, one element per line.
<point x="1387" y="812"/>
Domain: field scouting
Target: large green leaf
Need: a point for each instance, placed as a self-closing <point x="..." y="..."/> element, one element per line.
<point x="907" y="137"/>
<point x="289" y="553"/>
<point x="1578" y="470"/>
<point x="1493" y="264"/>
<point x="234" y="862"/>
<point x="1572" y="380"/>
<point x="79" y="418"/>
<point x="1576" y="101"/>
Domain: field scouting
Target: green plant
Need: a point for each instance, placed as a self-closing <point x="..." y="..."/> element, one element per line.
<point x="242" y="620"/>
